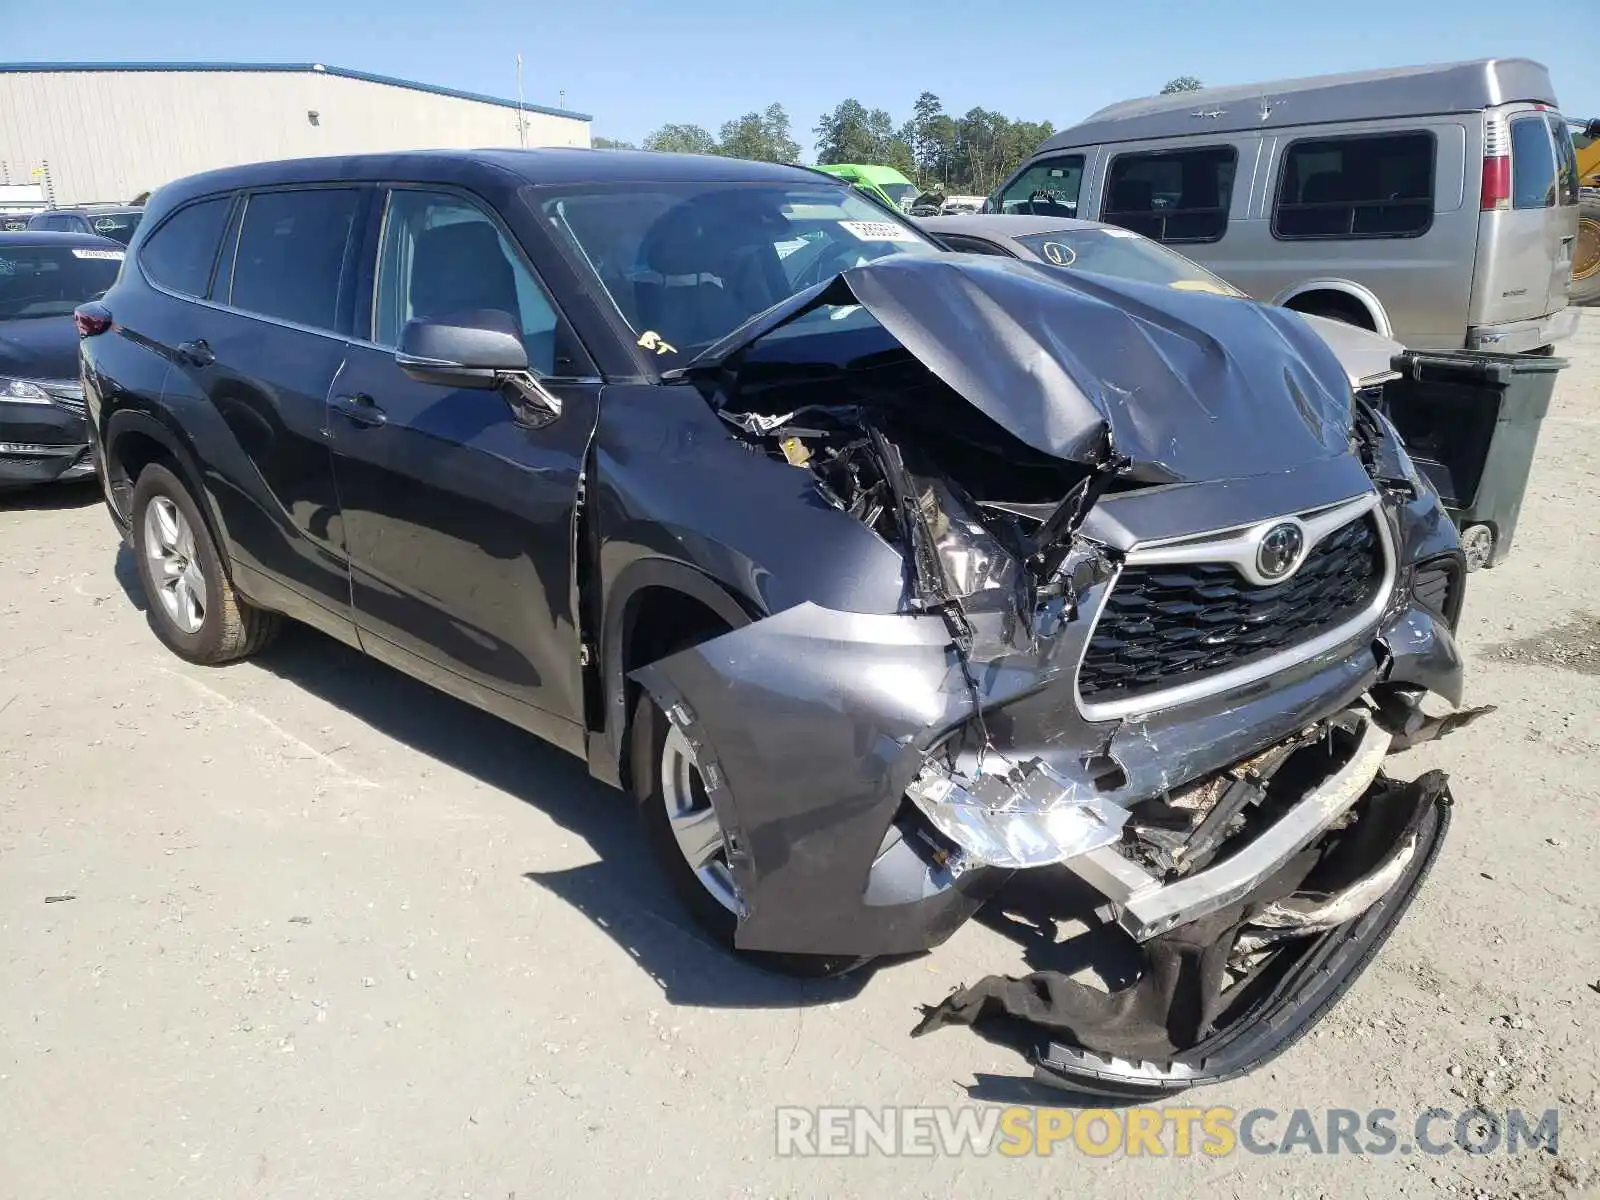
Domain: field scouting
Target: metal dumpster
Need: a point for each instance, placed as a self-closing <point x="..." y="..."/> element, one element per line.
<point x="1470" y="420"/>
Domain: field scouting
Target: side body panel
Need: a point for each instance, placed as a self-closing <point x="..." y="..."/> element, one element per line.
<point x="458" y="521"/>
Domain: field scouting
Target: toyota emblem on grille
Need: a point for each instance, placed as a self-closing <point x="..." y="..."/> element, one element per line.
<point x="1279" y="550"/>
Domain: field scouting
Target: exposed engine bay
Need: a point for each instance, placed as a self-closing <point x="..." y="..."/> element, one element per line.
<point x="1158" y="629"/>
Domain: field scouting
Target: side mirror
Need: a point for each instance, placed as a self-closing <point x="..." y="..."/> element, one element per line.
<point x="466" y="350"/>
<point x="478" y="349"/>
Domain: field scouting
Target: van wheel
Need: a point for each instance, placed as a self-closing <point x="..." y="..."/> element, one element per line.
<point x="689" y="847"/>
<point x="192" y="605"/>
<point x="1586" y="255"/>
<point x="1347" y="312"/>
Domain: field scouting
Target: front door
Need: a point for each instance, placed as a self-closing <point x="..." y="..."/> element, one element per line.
<point x="458" y="516"/>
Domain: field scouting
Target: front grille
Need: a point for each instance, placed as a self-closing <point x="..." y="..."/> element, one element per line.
<point x="1166" y="625"/>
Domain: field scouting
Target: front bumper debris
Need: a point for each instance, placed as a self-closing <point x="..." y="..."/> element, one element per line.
<point x="1177" y="1027"/>
<point x="1145" y="907"/>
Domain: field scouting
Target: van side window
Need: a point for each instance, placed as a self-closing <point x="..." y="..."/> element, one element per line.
<point x="441" y="254"/>
<point x="1533" y="164"/>
<point x="179" y="255"/>
<point x="291" y="254"/>
<point x="1172" y="195"/>
<point x="1048" y="188"/>
<point x="1356" y="187"/>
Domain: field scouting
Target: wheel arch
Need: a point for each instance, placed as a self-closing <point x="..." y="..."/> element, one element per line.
<point x="1305" y="295"/>
<point x="651" y="608"/>
<point x="137" y="439"/>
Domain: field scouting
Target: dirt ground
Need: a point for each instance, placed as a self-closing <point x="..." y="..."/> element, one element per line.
<point x="300" y="927"/>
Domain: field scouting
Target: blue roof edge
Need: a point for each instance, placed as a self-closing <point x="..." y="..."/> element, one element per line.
<point x="296" y="68"/>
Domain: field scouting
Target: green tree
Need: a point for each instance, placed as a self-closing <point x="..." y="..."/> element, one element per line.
<point x="605" y="143"/>
<point x="1183" y="83"/>
<point x="681" y="139"/>
<point x="845" y="135"/>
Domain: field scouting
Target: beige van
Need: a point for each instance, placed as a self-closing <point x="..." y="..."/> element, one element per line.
<point x="1435" y="205"/>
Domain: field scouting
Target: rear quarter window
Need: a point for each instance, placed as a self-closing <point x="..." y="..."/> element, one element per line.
<point x="180" y="254"/>
<point x="1378" y="186"/>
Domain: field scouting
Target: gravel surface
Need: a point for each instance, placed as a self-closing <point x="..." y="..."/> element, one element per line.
<point x="301" y="927"/>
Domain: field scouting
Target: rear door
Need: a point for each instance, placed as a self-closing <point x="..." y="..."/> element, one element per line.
<point x="1525" y="247"/>
<point x="458" y="511"/>
<point x="252" y="371"/>
<point x="1568" y="193"/>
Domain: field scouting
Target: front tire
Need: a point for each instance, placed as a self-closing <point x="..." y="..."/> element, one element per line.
<point x="192" y="605"/>
<point x="688" y="844"/>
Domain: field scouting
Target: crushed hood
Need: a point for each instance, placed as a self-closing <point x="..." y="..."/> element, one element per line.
<point x="1190" y="386"/>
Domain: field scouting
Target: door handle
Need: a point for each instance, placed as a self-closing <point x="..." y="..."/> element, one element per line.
<point x="360" y="408"/>
<point x="196" y="353"/>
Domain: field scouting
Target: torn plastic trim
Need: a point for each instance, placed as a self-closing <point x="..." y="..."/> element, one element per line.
<point x="1323" y="973"/>
<point x="1303" y="914"/>
<point x="1145" y="907"/>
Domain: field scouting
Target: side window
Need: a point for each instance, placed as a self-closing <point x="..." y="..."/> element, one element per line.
<point x="1049" y="188"/>
<point x="1566" y="159"/>
<point x="181" y="253"/>
<point x="442" y="254"/>
<point x="1172" y="195"/>
<point x="291" y="254"/>
<point x="1533" y="164"/>
<point x="1356" y="187"/>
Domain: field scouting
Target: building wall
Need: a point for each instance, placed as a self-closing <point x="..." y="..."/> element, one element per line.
<point x="109" y="135"/>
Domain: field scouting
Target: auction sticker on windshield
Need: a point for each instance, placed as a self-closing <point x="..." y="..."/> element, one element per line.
<point x="112" y="255"/>
<point x="879" y="231"/>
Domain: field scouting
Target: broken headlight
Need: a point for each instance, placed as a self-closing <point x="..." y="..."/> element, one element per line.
<point x="977" y="569"/>
<point x="1028" y="816"/>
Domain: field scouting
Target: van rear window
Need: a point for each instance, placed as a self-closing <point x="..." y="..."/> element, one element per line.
<point x="1356" y="187"/>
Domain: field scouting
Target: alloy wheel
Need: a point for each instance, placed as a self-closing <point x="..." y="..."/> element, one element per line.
<point x="694" y="822"/>
<point x="180" y="584"/>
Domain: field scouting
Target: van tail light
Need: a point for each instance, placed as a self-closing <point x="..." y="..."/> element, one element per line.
<point x="91" y="319"/>
<point x="1496" y="193"/>
<point x="1496" y="184"/>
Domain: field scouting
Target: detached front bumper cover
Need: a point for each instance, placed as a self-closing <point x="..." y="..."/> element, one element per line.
<point x="1175" y="1028"/>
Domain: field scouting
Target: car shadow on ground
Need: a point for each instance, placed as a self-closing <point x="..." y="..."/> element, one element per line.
<point x="49" y="497"/>
<point x="622" y="893"/>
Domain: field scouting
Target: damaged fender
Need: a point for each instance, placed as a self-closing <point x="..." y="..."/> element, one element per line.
<point x="848" y="703"/>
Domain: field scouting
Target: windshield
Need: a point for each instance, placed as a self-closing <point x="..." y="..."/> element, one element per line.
<point x="1125" y="255"/>
<point x="118" y="227"/>
<point x="686" y="264"/>
<point x="900" y="193"/>
<point x="51" y="281"/>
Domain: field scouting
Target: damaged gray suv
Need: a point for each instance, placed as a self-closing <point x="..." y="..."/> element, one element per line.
<point x="878" y="573"/>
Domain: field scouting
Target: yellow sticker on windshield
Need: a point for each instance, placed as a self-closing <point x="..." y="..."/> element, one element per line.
<point x="651" y="340"/>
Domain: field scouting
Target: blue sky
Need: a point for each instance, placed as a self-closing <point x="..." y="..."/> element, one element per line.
<point x="637" y="64"/>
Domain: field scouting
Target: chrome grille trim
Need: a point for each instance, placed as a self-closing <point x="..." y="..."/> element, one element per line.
<point x="1236" y="546"/>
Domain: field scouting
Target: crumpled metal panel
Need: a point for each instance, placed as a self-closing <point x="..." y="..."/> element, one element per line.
<point x="1191" y="386"/>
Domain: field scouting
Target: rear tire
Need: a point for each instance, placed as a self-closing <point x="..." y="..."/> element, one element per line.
<point x="1586" y="255"/>
<point x="192" y="605"/>
<point x="649" y="752"/>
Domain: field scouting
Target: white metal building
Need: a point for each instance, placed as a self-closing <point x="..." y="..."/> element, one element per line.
<point x="109" y="131"/>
